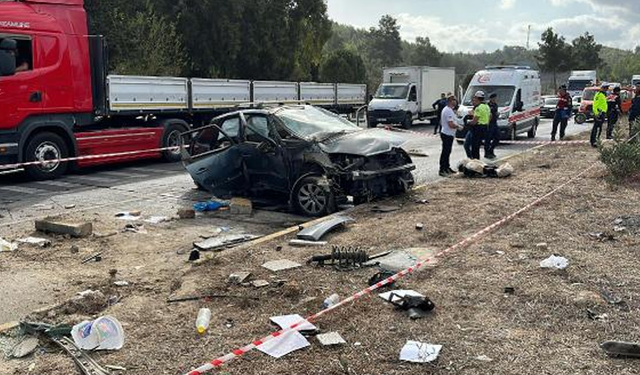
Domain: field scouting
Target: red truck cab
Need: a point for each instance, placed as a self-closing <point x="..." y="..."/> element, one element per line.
<point x="52" y="94"/>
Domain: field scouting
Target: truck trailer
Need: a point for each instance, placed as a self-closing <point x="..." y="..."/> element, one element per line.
<point x="58" y="100"/>
<point x="408" y="93"/>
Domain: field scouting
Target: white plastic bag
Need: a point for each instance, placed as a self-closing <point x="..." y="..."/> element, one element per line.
<point x="556" y="262"/>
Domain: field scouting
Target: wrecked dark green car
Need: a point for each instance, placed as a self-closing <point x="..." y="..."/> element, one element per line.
<point x="304" y="155"/>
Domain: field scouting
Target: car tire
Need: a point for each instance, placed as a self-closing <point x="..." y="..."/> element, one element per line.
<point x="313" y="199"/>
<point x="42" y="147"/>
<point x="171" y="138"/>
<point x="408" y="121"/>
<point x="580" y="118"/>
<point x="534" y="129"/>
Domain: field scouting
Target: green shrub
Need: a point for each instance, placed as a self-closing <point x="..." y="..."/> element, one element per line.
<point x="622" y="156"/>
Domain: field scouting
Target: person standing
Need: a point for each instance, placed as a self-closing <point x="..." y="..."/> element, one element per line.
<point x="440" y="105"/>
<point x="634" y="113"/>
<point x="563" y="113"/>
<point x="600" y="109"/>
<point x="614" y="104"/>
<point x="447" y="135"/>
<point x="479" y="123"/>
<point x="493" y="133"/>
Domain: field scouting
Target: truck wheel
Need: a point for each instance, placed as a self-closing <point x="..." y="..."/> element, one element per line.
<point x="312" y="198"/>
<point x="534" y="129"/>
<point x="580" y="118"/>
<point x="42" y="147"/>
<point x="171" y="138"/>
<point x="408" y="121"/>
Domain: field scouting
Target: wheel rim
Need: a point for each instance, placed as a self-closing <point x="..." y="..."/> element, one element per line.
<point x="173" y="140"/>
<point x="312" y="198"/>
<point x="48" y="151"/>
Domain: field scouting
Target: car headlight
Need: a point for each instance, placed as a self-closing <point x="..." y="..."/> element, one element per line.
<point x="504" y="116"/>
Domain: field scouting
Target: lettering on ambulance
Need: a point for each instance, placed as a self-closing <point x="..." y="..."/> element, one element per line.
<point x="15" y="25"/>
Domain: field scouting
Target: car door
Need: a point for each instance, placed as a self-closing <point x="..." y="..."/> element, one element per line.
<point x="214" y="159"/>
<point x="264" y="157"/>
<point x="413" y="100"/>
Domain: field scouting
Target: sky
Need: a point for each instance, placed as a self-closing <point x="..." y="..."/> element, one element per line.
<point x="487" y="25"/>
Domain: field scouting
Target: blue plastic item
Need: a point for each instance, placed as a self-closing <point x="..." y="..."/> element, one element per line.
<point x="209" y="206"/>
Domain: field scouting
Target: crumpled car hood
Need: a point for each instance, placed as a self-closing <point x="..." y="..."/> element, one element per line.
<point x="364" y="143"/>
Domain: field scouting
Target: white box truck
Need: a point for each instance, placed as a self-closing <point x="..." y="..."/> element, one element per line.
<point x="580" y="80"/>
<point x="408" y="93"/>
<point x="635" y="81"/>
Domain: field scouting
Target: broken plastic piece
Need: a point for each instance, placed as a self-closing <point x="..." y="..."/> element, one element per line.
<point x="7" y="246"/>
<point x="316" y="232"/>
<point x="556" y="262"/>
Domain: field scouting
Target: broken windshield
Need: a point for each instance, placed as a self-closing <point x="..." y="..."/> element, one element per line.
<point x="312" y="122"/>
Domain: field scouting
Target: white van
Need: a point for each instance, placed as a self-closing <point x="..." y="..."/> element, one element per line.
<point x="518" y="89"/>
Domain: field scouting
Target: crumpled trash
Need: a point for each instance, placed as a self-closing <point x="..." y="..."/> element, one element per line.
<point x="7" y="246"/>
<point x="209" y="206"/>
<point x="555" y="262"/>
<point x="104" y="333"/>
<point x="418" y="352"/>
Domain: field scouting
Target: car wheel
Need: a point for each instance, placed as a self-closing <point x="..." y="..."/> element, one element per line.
<point x="371" y="124"/>
<point x="408" y="121"/>
<point x="43" y="147"/>
<point x="313" y="198"/>
<point x="580" y="118"/>
<point x="171" y="138"/>
<point x="534" y="129"/>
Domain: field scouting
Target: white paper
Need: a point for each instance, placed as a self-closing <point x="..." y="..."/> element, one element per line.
<point x="418" y="352"/>
<point x="156" y="219"/>
<point x="7" y="246"/>
<point x="35" y="241"/>
<point x="399" y="294"/>
<point x="282" y="345"/>
<point x="330" y="339"/>
<point x="553" y="261"/>
<point x="287" y="321"/>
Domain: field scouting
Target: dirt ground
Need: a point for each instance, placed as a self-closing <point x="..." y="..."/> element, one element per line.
<point x="543" y="328"/>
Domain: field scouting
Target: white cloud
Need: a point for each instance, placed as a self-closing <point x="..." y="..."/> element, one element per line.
<point x="507" y="4"/>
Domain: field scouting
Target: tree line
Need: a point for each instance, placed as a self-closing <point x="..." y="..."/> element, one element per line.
<point x="295" y="40"/>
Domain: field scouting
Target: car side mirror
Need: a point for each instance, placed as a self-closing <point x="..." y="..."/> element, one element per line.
<point x="7" y="63"/>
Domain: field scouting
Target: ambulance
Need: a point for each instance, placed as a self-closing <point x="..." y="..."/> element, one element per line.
<point x="519" y="94"/>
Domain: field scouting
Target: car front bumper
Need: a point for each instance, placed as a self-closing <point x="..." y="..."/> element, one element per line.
<point x="385" y="116"/>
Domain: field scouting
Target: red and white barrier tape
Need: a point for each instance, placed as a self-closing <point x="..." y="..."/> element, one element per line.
<point x="86" y="157"/>
<point x="216" y="363"/>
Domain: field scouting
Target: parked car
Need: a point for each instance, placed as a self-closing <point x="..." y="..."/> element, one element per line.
<point x="548" y="109"/>
<point x="303" y="155"/>
<point x="576" y="101"/>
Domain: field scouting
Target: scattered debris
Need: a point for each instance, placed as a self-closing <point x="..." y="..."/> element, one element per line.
<point x="287" y="321"/>
<point x="418" y="352"/>
<point x="207" y="297"/>
<point x="416" y="306"/>
<point x="330" y="339"/>
<point x="210" y="206"/>
<point x="203" y="320"/>
<point x="238" y="278"/>
<point x="95" y="257"/>
<point x="129" y="215"/>
<point x="380" y="277"/>
<point x="72" y="229"/>
<point x="419" y="226"/>
<point x="86" y="364"/>
<point x="69" y="206"/>
<point x="542" y="246"/>
<point x="398" y="260"/>
<point x="27" y="346"/>
<point x="281" y="265"/>
<point x="224" y="242"/>
<point x="316" y="232"/>
<point x="303" y="243"/>
<point x="284" y="344"/>
<point x="121" y="283"/>
<point x="104" y="333"/>
<point x="483" y="358"/>
<point x="135" y="228"/>
<point x="598" y="317"/>
<point x="385" y="209"/>
<point x="7" y="246"/>
<point x="194" y="255"/>
<point x="556" y="262"/>
<point x="259" y="283"/>
<point x="42" y="242"/>
<point x="621" y="348"/>
<point x="240" y="206"/>
<point x="157" y="219"/>
<point x="332" y="300"/>
<point x="186" y="213"/>
<point x="396" y="296"/>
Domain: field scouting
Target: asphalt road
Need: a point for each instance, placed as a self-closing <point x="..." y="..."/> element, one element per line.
<point x="22" y="199"/>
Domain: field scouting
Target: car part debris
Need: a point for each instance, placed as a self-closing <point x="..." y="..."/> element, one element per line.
<point x="399" y="260"/>
<point x="260" y="283"/>
<point x="27" y="346"/>
<point x="417" y="307"/>
<point x="316" y="232"/>
<point x="381" y="276"/>
<point x="42" y="242"/>
<point x="418" y="352"/>
<point x="194" y="255"/>
<point x="281" y="265"/>
<point x="7" y="246"/>
<point x="419" y="226"/>
<point x="303" y="243"/>
<point x="621" y="348"/>
<point x="224" y="242"/>
<point x="238" y="278"/>
<point x="208" y="297"/>
<point x="384" y="209"/>
<point x="555" y="262"/>
<point x="330" y="339"/>
<point x="95" y="257"/>
<point x="345" y="258"/>
<point x="86" y="364"/>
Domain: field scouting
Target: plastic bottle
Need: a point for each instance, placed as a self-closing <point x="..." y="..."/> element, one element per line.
<point x="202" y="323"/>
<point x="332" y="300"/>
